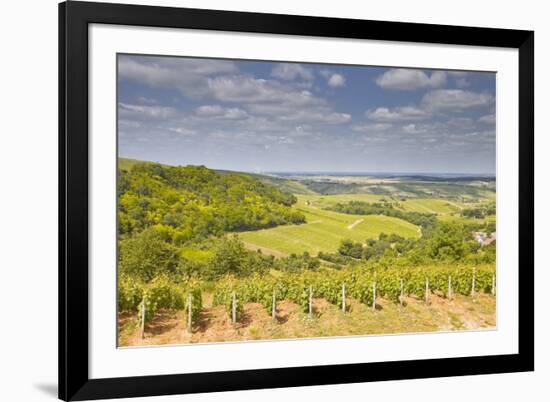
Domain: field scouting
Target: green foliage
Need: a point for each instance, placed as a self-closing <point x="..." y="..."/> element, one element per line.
<point x="168" y="217"/>
<point x="295" y="288"/>
<point x="327" y="284"/>
<point x="329" y="287"/>
<point x="160" y="293"/>
<point x="334" y="258"/>
<point x="193" y="289"/>
<point x="297" y="263"/>
<point x="259" y="289"/>
<point x="450" y="242"/>
<point x="386" y="209"/>
<point x="193" y="202"/>
<point x="223" y="296"/>
<point x="229" y="257"/>
<point x="447" y="241"/>
<point x="130" y="293"/>
<point x="146" y="255"/>
<point x="350" y="249"/>
<point x="376" y="249"/>
<point x="479" y="212"/>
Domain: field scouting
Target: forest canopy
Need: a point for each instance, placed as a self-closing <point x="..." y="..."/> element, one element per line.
<point x="191" y="203"/>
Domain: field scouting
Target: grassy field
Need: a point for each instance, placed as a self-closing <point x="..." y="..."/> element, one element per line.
<point x="324" y="230"/>
<point x="424" y="205"/>
<point x="467" y="221"/>
<point x="432" y="206"/>
<point x="405" y="187"/>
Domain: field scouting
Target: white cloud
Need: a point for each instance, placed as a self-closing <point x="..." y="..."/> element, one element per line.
<point x="316" y="116"/>
<point x="302" y="128"/>
<point x="285" y="140"/>
<point x="460" y="123"/>
<point x="455" y="99"/>
<point x="182" y="131"/>
<point x="184" y="74"/>
<point x="371" y="127"/>
<point x="334" y="80"/>
<point x="487" y="119"/>
<point x="250" y="90"/>
<point x="288" y="113"/>
<point x="290" y="71"/>
<point x="262" y="105"/>
<point x="410" y="79"/>
<point x="404" y="113"/>
<point x="209" y="110"/>
<point x="235" y="114"/>
<point x="275" y="100"/>
<point x="219" y="112"/>
<point x="126" y="111"/>
<point x="413" y="129"/>
<point x="147" y="101"/>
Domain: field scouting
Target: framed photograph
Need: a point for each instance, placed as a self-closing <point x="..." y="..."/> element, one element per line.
<point x="258" y="201"/>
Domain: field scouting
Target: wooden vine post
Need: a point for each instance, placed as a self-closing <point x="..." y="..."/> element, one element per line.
<point x="427" y="290"/>
<point x="190" y="313"/>
<point x="343" y="297"/>
<point x="310" y="301"/>
<point x="273" y="306"/>
<point x="374" y="294"/>
<point x="143" y="318"/>
<point x="473" y="282"/>
<point x="450" y="289"/>
<point x="401" y="296"/>
<point x="234" y="308"/>
<point x="493" y="289"/>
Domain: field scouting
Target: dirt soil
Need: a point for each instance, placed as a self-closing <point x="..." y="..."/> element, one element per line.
<point x="214" y="323"/>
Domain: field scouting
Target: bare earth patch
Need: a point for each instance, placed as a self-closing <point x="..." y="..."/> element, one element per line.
<point x="214" y="323"/>
<point x="357" y="222"/>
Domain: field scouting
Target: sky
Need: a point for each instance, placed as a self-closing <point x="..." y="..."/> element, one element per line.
<point x="265" y="116"/>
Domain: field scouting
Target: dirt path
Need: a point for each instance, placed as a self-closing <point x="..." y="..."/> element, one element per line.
<point x="357" y="222"/>
<point x="214" y="323"/>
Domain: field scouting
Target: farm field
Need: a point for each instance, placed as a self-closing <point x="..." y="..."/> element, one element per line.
<point x="324" y="230"/>
<point x="423" y="205"/>
<point x="214" y="324"/>
<point x="468" y="191"/>
<point x="465" y="220"/>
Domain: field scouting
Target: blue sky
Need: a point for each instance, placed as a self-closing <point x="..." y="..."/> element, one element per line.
<point x="262" y="116"/>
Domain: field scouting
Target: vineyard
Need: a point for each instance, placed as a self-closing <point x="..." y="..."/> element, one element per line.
<point x="324" y="230"/>
<point x="336" y="287"/>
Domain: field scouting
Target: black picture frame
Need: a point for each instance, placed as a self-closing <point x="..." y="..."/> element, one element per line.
<point x="74" y="18"/>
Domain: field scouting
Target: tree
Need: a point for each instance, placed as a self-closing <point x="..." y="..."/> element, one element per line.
<point x="229" y="257"/>
<point x="448" y="242"/>
<point x="351" y="249"/>
<point x="146" y="254"/>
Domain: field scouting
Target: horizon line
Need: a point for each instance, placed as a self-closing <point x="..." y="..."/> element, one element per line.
<point x="318" y="172"/>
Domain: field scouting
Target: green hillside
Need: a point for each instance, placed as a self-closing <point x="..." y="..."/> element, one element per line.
<point x="190" y="203"/>
<point x="324" y="230"/>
